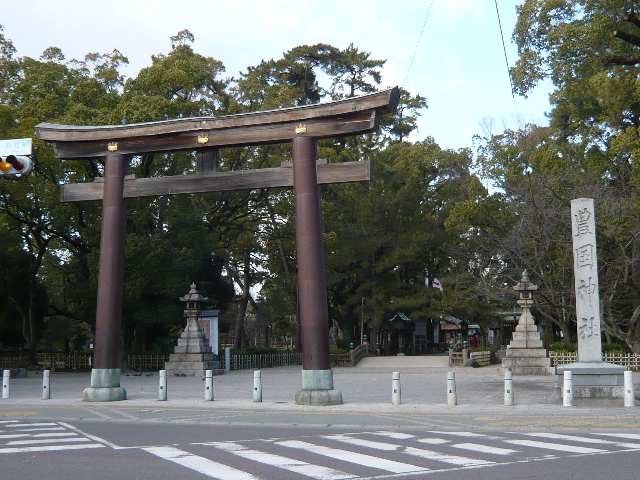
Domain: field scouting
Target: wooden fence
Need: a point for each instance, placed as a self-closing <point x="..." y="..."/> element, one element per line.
<point x="240" y="361"/>
<point x="456" y="359"/>
<point x="359" y="353"/>
<point x="145" y="362"/>
<point x="627" y="360"/>
<point x="481" y="358"/>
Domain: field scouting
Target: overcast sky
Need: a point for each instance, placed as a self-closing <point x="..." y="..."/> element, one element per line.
<point x="459" y="64"/>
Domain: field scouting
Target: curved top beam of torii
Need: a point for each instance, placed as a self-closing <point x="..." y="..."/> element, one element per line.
<point x="344" y="117"/>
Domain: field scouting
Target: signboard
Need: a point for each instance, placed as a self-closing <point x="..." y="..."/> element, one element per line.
<point x="15" y="146"/>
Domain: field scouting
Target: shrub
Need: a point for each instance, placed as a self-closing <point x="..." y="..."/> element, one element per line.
<point x="562" y="347"/>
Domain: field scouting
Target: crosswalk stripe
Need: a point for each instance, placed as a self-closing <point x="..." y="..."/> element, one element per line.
<point x="630" y="436"/>
<point x="199" y="464"/>
<point x="42" y="424"/>
<point x="416" y="452"/>
<point x="37" y="435"/>
<point x="389" y="447"/>
<point x="353" y="457"/>
<point x="441" y="457"/>
<point x="396" y="435"/>
<point x="555" y="446"/>
<point x="42" y="429"/>
<point x="476" y="447"/>
<point x="9" y="421"/>
<point x="433" y="441"/>
<point x="297" y="466"/>
<point x="458" y="434"/>
<point x="49" y="448"/>
<point x="575" y="438"/>
<point x="48" y="440"/>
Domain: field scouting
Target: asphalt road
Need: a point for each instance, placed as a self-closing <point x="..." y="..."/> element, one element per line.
<point x="162" y="448"/>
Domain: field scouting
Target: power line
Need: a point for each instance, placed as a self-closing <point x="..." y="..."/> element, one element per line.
<point x="504" y="47"/>
<point x="415" y="50"/>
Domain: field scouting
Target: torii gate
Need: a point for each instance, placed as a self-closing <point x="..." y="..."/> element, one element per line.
<point x="299" y="125"/>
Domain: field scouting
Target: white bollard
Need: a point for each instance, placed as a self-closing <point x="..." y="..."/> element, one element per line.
<point x="227" y="359"/>
<point x="508" y="388"/>
<point x="46" y="391"/>
<point x="567" y="389"/>
<point x="629" y="394"/>
<point x="452" y="399"/>
<point x="6" y="375"/>
<point x="162" y="386"/>
<point x="396" y="394"/>
<point x="257" y="386"/>
<point x="208" y="385"/>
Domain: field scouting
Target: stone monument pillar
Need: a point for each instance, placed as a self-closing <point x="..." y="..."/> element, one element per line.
<point x="592" y="378"/>
<point x="525" y="354"/>
<point x="192" y="355"/>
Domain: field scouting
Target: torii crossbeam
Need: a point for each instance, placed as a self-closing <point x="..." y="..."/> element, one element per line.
<point x="300" y="125"/>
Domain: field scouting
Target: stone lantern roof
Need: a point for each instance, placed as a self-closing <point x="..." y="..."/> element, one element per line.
<point x="193" y="295"/>
<point x="525" y="285"/>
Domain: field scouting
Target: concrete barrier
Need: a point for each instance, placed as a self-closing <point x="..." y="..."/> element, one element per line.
<point x="452" y="398"/>
<point x="6" y="377"/>
<point x="567" y="389"/>
<point x="208" y="385"/>
<point x="162" y="386"/>
<point x="46" y="390"/>
<point x="629" y="394"/>
<point x="396" y="394"/>
<point x="257" y="386"/>
<point x="508" y="388"/>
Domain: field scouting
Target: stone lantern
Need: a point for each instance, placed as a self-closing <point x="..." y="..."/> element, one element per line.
<point x="526" y="354"/>
<point x="193" y="300"/>
<point x="192" y="355"/>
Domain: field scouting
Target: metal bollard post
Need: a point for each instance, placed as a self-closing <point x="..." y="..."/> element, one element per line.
<point x="6" y="375"/>
<point x="257" y="386"/>
<point x="227" y="359"/>
<point x="629" y="394"/>
<point x="162" y="386"/>
<point x="396" y="394"/>
<point x="508" y="388"/>
<point x="567" y="389"/>
<point x="46" y="391"/>
<point x="452" y="399"/>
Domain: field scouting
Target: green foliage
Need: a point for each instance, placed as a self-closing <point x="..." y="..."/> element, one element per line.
<point x="562" y="347"/>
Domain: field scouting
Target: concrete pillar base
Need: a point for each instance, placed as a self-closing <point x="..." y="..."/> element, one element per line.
<point x="105" y="386"/>
<point x="106" y="394"/>
<point x="319" y="397"/>
<point x="317" y="389"/>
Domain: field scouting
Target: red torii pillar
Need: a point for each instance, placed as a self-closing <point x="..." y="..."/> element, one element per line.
<point x="105" y="375"/>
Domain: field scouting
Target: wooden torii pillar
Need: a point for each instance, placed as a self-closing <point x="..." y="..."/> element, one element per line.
<point x="300" y="125"/>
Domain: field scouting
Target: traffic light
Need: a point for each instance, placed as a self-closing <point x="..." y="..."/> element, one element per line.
<point x="15" y="157"/>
